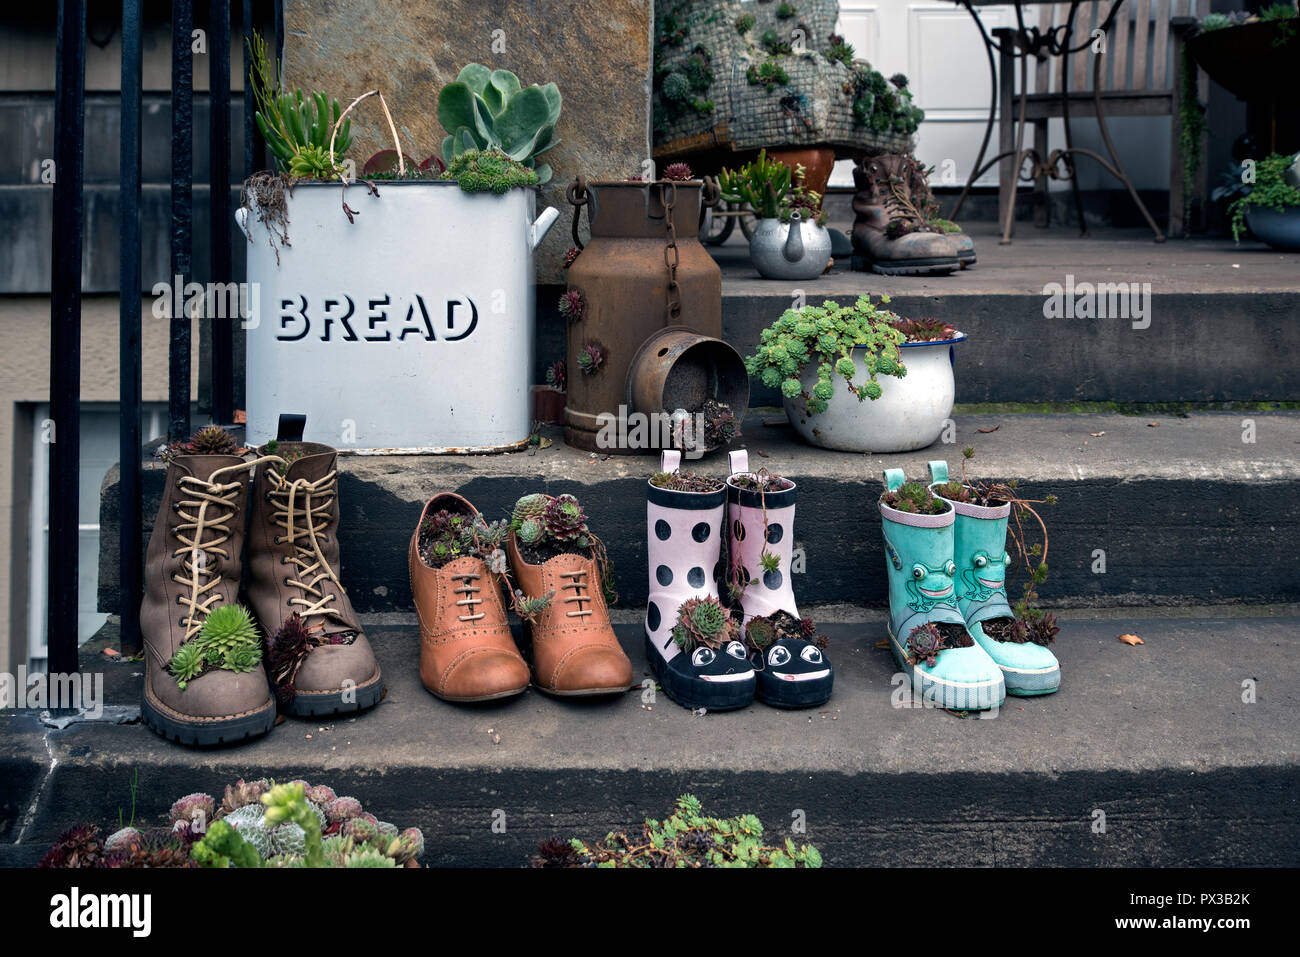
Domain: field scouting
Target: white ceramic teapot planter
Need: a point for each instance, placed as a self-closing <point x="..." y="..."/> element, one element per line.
<point x="409" y="329"/>
<point x="909" y="414"/>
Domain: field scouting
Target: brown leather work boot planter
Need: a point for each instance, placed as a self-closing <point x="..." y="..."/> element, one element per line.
<point x="457" y="562"/>
<point x="890" y="234"/>
<point x="203" y="685"/>
<point x="318" y="656"/>
<point x="559" y="567"/>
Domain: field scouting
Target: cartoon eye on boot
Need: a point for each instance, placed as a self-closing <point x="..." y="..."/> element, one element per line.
<point x="793" y="660"/>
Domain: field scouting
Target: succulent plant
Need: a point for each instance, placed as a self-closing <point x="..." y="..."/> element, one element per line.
<point x="565" y="521"/>
<point x="122" y="839"/>
<point x="227" y="628"/>
<point x="591" y="357"/>
<point x="703" y="621"/>
<point x="557" y="375"/>
<point x="761" y="184"/>
<point x="342" y="809"/>
<point x="1039" y="627"/>
<point x="192" y="807"/>
<point x="368" y="857"/>
<point x="212" y="440"/>
<point x="490" y="109"/>
<point x="924" y="643"/>
<point x="531" y="531"/>
<point x="529" y="506"/>
<point x="528" y="608"/>
<point x="289" y="838"/>
<point x="360" y="829"/>
<point x="292" y="124"/>
<point x="187" y="664"/>
<point x="407" y="845"/>
<point x="760" y="632"/>
<point x="915" y="498"/>
<point x="685" y="838"/>
<point x="573" y="305"/>
<point x="321" y="794"/>
<point x="242" y="793"/>
<point x="488" y="171"/>
<point x="676" y="87"/>
<point x="678" y="171"/>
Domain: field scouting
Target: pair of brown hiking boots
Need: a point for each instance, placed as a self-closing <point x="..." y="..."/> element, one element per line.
<point x="895" y="228"/>
<point x="467" y="653"/>
<point x="265" y="531"/>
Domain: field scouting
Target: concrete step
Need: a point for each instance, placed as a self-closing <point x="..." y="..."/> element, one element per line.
<point x="1152" y="755"/>
<point x="1183" y="509"/>
<point x="1221" y="316"/>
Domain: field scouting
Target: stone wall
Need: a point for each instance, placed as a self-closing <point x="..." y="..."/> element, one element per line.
<point x="596" y="51"/>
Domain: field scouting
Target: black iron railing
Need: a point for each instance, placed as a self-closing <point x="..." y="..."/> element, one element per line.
<point x="65" y="336"/>
<point x="65" y="299"/>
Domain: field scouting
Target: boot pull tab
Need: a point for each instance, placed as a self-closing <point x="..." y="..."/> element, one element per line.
<point x="739" y="461"/>
<point x="670" y="460"/>
<point x="938" y="472"/>
<point x="291" y="427"/>
<point x="894" y="478"/>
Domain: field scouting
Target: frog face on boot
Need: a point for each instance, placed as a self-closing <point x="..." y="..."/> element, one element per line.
<point x="927" y="587"/>
<point x="985" y="576"/>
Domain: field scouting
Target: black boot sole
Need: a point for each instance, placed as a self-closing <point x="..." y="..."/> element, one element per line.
<point x="794" y="694"/>
<point x="208" y="733"/>
<point x="315" y="705"/>
<point x="694" y="693"/>
<point x="912" y="267"/>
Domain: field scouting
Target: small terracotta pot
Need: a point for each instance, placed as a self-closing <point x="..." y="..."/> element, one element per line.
<point x="818" y="161"/>
<point x="548" y="404"/>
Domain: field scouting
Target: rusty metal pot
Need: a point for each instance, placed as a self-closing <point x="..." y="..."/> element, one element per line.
<point x="643" y="275"/>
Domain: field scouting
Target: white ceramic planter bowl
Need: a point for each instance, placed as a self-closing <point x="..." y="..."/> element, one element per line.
<point x="909" y="414"/>
<point x="410" y="329"/>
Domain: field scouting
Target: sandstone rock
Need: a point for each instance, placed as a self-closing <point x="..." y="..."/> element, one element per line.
<point x="596" y="51"/>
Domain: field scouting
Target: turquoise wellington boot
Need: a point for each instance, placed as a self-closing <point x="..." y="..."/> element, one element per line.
<point x="982" y="562"/>
<point x="920" y="568"/>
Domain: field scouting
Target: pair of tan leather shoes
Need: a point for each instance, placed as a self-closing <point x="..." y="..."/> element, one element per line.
<point x="467" y="652"/>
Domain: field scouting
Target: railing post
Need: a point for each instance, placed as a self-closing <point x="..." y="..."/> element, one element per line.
<point x="65" y="338"/>
<point x="250" y="127"/>
<point x="178" y="378"/>
<point x="220" y="213"/>
<point x="129" y="356"/>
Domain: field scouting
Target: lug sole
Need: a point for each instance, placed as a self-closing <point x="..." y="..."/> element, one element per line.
<point x="696" y="694"/>
<point x="793" y="694"/>
<point x="311" y="705"/>
<point x="213" y="733"/>
<point x="940" y="266"/>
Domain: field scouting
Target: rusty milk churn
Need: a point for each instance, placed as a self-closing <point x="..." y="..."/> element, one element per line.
<point x="644" y="336"/>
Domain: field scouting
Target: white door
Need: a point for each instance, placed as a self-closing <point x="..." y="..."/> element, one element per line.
<point x="938" y="47"/>
<point x="99" y="451"/>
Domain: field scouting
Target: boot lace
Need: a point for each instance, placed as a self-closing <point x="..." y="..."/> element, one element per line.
<point x="898" y="204"/>
<point x="203" y="529"/>
<point x="303" y="508"/>
<point x="470" y="590"/>
<point x="578" y="582"/>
